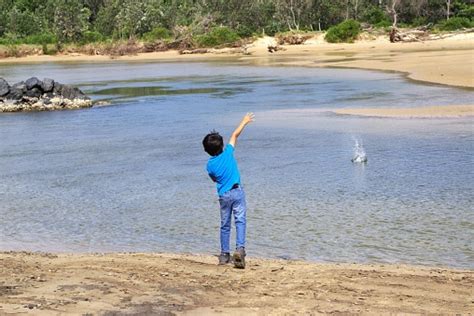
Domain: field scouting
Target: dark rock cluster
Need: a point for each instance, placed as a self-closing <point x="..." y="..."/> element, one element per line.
<point x="40" y="95"/>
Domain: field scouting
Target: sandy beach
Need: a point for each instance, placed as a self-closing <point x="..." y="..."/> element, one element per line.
<point x="165" y="284"/>
<point x="447" y="111"/>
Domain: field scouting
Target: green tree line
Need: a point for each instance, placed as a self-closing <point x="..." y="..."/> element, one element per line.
<point x="84" y="21"/>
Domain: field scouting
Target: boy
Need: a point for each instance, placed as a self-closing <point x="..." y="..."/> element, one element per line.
<point x="222" y="168"/>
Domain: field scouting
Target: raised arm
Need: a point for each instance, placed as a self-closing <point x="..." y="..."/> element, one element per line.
<point x="249" y="117"/>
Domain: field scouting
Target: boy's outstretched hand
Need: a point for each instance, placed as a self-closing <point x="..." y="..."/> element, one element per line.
<point x="248" y="118"/>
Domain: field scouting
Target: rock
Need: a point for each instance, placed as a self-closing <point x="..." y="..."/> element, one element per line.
<point x="58" y="88"/>
<point x="33" y="93"/>
<point x="33" y="82"/>
<point x="19" y="86"/>
<point x="37" y="95"/>
<point x="4" y="87"/>
<point x="72" y="93"/>
<point x="15" y="94"/>
<point x="47" y="85"/>
<point x="48" y="95"/>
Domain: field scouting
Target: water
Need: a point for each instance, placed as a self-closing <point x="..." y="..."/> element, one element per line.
<point x="359" y="155"/>
<point x="131" y="176"/>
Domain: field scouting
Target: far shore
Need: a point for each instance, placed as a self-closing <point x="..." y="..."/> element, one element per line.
<point x="447" y="61"/>
<point x="180" y="284"/>
<point x="447" y="111"/>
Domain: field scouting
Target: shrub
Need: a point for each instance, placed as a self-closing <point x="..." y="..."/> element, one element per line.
<point x="244" y="31"/>
<point x="36" y="39"/>
<point x="8" y="41"/>
<point x="272" y="28"/>
<point x="403" y="25"/>
<point x="419" y="21"/>
<point x="20" y="50"/>
<point x="346" y="31"/>
<point x="158" y="33"/>
<point x="40" y="39"/>
<point x="468" y="12"/>
<point x="91" y="37"/>
<point x="454" y="24"/>
<point x="49" y="49"/>
<point x="217" y="36"/>
<point x="376" y="16"/>
<point x="383" y="24"/>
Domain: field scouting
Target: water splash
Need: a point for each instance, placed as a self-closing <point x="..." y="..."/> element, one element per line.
<point x="359" y="153"/>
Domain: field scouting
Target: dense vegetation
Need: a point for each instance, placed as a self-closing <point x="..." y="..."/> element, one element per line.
<point x="346" y="31"/>
<point x="210" y="22"/>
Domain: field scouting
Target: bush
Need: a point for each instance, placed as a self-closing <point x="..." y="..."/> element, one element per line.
<point x="244" y="31"/>
<point x="454" y="24"/>
<point x="346" y="31"/>
<point x="158" y="33"/>
<point x="419" y="21"/>
<point x="37" y="39"/>
<point x="466" y="13"/>
<point x="91" y="37"/>
<point x="383" y="24"/>
<point x="8" y="41"/>
<point x="272" y="28"/>
<point x="217" y="36"/>
<point x="49" y="49"/>
<point x="376" y="16"/>
<point x="40" y="39"/>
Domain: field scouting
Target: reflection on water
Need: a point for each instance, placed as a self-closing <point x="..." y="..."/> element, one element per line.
<point x="147" y="91"/>
<point x="131" y="176"/>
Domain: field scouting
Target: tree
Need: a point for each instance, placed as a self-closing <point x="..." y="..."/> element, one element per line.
<point x="448" y="9"/>
<point x="391" y="8"/>
<point x="292" y="12"/>
<point x="71" y="19"/>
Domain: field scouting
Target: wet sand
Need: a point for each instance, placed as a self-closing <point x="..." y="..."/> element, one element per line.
<point x="165" y="284"/>
<point x="448" y="111"/>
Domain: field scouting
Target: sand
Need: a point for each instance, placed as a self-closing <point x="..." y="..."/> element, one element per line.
<point x="449" y="61"/>
<point x="448" y="111"/>
<point x="165" y="284"/>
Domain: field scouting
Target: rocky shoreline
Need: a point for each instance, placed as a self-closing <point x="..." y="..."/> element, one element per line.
<point x="40" y="95"/>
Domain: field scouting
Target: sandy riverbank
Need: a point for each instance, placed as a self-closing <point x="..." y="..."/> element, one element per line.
<point x="448" y="111"/>
<point x="446" y="61"/>
<point x="166" y="284"/>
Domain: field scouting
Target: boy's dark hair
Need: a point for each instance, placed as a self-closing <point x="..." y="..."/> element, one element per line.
<point x="213" y="143"/>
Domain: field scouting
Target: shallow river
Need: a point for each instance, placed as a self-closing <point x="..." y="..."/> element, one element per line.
<point x="131" y="176"/>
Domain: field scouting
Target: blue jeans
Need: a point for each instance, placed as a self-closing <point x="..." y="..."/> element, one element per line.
<point x="230" y="202"/>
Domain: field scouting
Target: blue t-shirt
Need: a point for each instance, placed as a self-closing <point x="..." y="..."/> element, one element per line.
<point x="223" y="169"/>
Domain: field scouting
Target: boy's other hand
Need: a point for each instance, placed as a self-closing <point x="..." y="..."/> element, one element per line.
<point x="249" y="117"/>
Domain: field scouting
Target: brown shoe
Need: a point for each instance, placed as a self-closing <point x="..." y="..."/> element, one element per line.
<point x="239" y="258"/>
<point x="224" y="258"/>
